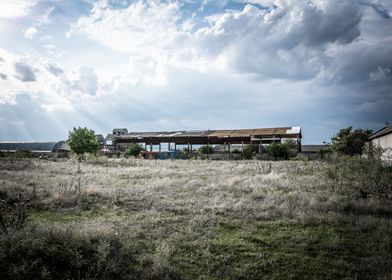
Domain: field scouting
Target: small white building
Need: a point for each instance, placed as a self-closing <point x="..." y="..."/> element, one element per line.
<point x="383" y="139"/>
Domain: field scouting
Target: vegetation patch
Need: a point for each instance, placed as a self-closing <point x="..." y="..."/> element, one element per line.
<point x="196" y="220"/>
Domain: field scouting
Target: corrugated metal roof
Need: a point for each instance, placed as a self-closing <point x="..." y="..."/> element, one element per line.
<point x="384" y="131"/>
<point x="248" y="132"/>
<point x="258" y="132"/>
<point x="34" y="146"/>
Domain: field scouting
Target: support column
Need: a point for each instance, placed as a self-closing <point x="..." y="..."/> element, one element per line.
<point x="191" y="149"/>
<point x="168" y="144"/>
<point x="150" y="147"/>
<point x="242" y="146"/>
<point x="175" y="146"/>
<point x="159" y="147"/>
<point x="260" y="147"/>
<point x="208" y="149"/>
<point x="261" y="143"/>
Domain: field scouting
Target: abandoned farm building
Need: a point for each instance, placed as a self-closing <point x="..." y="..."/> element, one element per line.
<point x="383" y="139"/>
<point x="35" y="147"/>
<point x="121" y="139"/>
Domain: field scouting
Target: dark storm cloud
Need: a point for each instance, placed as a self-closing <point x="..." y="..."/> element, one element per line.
<point x="382" y="11"/>
<point x="24" y="72"/>
<point x="364" y="64"/>
<point x="287" y="42"/>
<point x="338" y="21"/>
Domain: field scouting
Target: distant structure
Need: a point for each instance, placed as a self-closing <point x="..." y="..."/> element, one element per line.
<point x="121" y="139"/>
<point x="383" y="139"/>
<point x="313" y="151"/>
<point x="35" y="147"/>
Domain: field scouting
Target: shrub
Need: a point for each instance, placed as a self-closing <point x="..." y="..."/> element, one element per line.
<point x="278" y="151"/>
<point x="322" y="152"/>
<point x="206" y="149"/>
<point x="50" y="254"/>
<point x="350" y="142"/>
<point x="360" y="177"/>
<point x="13" y="214"/>
<point x="134" y="150"/>
<point x="282" y="150"/>
<point x="247" y="152"/>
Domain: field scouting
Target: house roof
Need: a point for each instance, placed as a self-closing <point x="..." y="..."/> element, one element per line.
<point x="384" y="131"/>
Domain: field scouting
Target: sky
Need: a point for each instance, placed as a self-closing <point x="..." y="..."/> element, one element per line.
<point x="183" y="65"/>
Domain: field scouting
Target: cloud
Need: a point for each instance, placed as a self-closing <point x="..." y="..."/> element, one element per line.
<point x="14" y="9"/>
<point x="44" y="19"/>
<point x="144" y="26"/>
<point x="287" y="40"/>
<point x="270" y="63"/>
<point x="3" y="76"/>
<point x="24" y="72"/>
<point x="44" y="79"/>
<point x="31" y="32"/>
<point x="85" y="80"/>
<point x="54" y="68"/>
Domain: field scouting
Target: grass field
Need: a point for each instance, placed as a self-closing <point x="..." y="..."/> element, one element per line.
<point x="188" y="219"/>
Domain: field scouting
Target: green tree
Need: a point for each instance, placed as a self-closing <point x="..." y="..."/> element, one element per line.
<point x="134" y="150"/>
<point x="247" y="152"/>
<point x="206" y="149"/>
<point x="350" y="142"/>
<point x="83" y="140"/>
<point x="283" y="150"/>
<point x="278" y="150"/>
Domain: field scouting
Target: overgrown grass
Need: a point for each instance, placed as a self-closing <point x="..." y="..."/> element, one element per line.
<point x="146" y="219"/>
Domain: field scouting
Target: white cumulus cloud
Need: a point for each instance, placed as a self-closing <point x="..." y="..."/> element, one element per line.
<point x="30" y="32"/>
<point x="15" y="8"/>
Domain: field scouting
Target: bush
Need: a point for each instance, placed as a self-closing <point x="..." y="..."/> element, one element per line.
<point x="134" y="150"/>
<point x="13" y="214"/>
<point x="247" y="152"/>
<point x="350" y="142"/>
<point x="360" y="177"/>
<point x="322" y="152"/>
<point x="49" y="254"/>
<point x="278" y="151"/>
<point x="206" y="149"/>
<point x="282" y="150"/>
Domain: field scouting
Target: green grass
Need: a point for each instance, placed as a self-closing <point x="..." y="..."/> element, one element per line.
<point x="192" y="220"/>
<point x="281" y="250"/>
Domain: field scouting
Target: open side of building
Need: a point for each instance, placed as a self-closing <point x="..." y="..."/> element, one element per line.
<point x="122" y="139"/>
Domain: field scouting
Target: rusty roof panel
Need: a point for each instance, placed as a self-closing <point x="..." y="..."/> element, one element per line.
<point x="226" y="133"/>
<point x="248" y="132"/>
